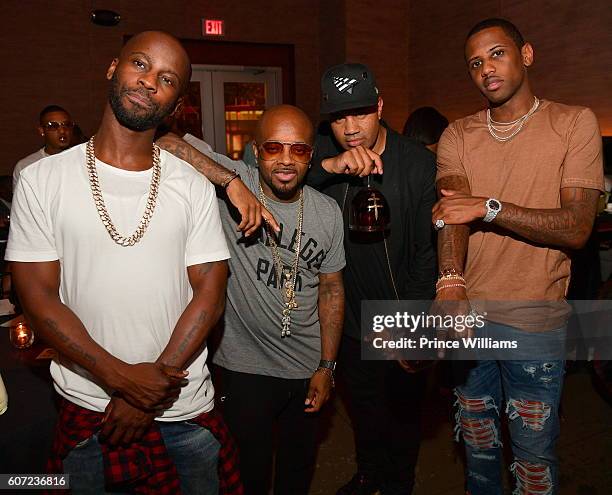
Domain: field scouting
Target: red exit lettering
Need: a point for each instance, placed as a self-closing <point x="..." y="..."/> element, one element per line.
<point x="213" y="27"/>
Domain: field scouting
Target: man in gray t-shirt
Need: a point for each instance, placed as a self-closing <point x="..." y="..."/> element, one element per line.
<point x="278" y="348"/>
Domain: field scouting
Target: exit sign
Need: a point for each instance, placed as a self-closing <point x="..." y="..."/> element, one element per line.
<point x="213" y="27"/>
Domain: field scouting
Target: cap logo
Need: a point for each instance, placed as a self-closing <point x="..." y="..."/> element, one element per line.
<point x="345" y="84"/>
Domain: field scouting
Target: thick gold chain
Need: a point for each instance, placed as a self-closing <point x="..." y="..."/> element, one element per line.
<point x="94" y="183"/>
<point x="288" y="289"/>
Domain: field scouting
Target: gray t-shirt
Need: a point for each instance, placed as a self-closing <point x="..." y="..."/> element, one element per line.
<point x="251" y="341"/>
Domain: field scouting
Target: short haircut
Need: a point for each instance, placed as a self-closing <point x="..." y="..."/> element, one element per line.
<point x="510" y="29"/>
<point x="49" y="109"/>
<point x="425" y="125"/>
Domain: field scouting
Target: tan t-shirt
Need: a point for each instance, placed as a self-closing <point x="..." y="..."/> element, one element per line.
<point x="559" y="146"/>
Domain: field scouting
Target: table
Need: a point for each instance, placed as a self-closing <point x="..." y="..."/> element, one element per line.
<point x="26" y="428"/>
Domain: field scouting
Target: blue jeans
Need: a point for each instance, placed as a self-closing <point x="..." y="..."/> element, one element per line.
<point x="532" y="392"/>
<point x="193" y="449"/>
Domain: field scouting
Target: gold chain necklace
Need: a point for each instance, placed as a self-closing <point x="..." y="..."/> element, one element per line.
<point x="101" y="207"/>
<point x="290" y="275"/>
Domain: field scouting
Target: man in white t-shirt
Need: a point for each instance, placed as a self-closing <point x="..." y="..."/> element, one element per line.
<point x="129" y="316"/>
<point x="55" y="127"/>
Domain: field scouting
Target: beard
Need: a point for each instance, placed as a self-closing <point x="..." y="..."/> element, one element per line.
<point x="141" y="119"/>
<point x="283" y="191"/>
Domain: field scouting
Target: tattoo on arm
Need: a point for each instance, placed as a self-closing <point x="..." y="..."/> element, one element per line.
<point x="205" y="268"/>
<point x="568" y="226"/>
<point x="188" y="339"/>
<point x="73" y="347"/>
<point x="331" y="315"/>
<point x="453" y="239"/>
<point x="214" y="172"/>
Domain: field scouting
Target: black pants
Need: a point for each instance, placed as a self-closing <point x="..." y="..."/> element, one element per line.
<point x="254" y="405"/>
<point x="385" y="409"/>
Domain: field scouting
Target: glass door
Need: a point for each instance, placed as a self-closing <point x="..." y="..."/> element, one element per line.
<point x="232" y="100"/>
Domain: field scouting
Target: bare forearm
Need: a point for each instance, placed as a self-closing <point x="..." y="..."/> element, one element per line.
<point x="198" y="318"/>
<point x="65" y="332"/>
<point x="214" y="172"/>
<point x="568" y="227"/>
<point x="331" y="318"/>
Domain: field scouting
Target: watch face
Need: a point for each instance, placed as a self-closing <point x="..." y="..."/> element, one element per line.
<point x="494" y="204"/>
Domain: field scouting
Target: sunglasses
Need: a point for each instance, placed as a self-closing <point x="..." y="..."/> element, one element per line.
<point x="54" y="125"/>
<point x="272" y="150"/>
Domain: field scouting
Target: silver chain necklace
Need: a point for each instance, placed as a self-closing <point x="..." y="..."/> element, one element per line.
<point x="290" y="275"/>
<point x="101" y="207"/>
<point x="513" y="127"/>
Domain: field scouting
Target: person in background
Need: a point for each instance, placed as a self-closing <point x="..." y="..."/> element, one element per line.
<point x="6" y="196"/>
<point x="55" y="126"/>
<point x="425" y="125"/>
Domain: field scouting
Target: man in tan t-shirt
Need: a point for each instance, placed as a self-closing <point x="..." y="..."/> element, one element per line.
<point x="519" y="184"/>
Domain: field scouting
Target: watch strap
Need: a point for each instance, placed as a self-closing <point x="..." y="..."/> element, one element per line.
<point x="330" y="365"/>
<point x="491" y="212"/>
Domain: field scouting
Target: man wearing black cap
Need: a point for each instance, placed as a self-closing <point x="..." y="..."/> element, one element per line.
<point x="399" y="263"/>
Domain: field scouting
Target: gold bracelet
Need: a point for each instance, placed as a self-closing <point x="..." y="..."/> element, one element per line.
<point x="449" y="272"/>
<point x="450" y="277"/>
<point x="449" y="286"/>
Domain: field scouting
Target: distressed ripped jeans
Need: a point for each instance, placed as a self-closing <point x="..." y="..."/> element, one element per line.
<point x="532" y="391"/>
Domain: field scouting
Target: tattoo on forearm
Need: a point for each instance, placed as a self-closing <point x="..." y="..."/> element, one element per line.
<point x="331" y="316"/>
<point x="214" y="172"/>
<point x="73" y="347"/>
<point x="188" y="339"/>
<point x="568" y="226"/>
<point x="453" y="239"/>
<point x="205" y="268"/>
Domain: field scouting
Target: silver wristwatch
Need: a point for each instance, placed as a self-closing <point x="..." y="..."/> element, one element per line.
<point x="493" y="208"/>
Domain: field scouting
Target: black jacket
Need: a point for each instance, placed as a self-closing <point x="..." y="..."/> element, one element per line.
<point x="408" y="184"/>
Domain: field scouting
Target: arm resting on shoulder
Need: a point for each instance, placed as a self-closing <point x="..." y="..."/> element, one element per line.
<point x="251" y="210"/>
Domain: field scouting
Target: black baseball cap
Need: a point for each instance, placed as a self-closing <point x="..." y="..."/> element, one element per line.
<point x="347" y="86"/>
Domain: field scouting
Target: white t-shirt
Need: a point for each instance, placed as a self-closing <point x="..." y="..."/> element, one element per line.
<point x="128" y="298"/>
<point x="28" y="160"/>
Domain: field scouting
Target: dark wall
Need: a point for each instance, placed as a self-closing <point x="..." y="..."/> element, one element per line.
<point x="572" y="42"/>
<point x="52" y="53"/>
